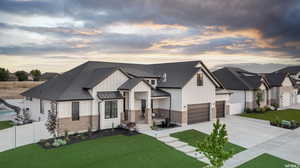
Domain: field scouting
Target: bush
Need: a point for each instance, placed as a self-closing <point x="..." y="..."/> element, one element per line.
<point x="248" y="110"/>
<point x="47" y="144"/>
<point x="59" y="142"/>
<point x="67" y="138"/>
<point x="275" y="105"/>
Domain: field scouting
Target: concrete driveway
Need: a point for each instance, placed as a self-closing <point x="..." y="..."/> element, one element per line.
<point x="243" y="131"/>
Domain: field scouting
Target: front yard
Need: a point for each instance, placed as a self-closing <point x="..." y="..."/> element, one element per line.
<point x="5" y="124"/>
<point x="289" y="114"/>
<point x="266" y="160"/>
<point x="139" y="151"/>
<point x="192" y="137"/>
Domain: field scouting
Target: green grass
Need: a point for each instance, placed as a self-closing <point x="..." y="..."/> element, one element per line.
<point x="265" y="160"/>
<point x="5" y="124"/>
<point x="289" y="114"/>
<point x="138" y="151"/>
<point x="192" y="137"/>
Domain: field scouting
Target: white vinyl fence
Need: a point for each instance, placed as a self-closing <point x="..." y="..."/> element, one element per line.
<point x="22" y="135"/>
<point x="236" y="108"/>
<point x="298" y="99"/>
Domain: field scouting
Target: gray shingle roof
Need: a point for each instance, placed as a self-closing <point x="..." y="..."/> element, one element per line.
<point x="159" y="93"/>
<point x="275" y="79"/>
<point x="73" y="85"/>
<point x="238" y="79"/>
<point x="109" y="95"/>
<point x="291" y="70"/>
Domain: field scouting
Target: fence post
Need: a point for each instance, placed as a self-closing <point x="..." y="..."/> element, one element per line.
<point x="15" y="137"/>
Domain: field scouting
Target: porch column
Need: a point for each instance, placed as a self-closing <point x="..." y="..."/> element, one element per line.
<point x="149" y="110"/>
<point x="131" y="111"/>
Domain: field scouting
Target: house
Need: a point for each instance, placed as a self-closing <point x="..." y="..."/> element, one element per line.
<point x="48" y="75"/>
<point x="101" y="95"/>
<point x="294" y="73"/>
<point x="282" y="91"/>
<point x="244" y="86"/>
<point x="12" y="77"/>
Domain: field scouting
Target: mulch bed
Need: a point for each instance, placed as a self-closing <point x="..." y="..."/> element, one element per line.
<point x="80" y="137"/>
<point x="286" y="127"/>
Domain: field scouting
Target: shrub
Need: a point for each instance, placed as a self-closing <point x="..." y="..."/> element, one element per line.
<point x="275" y="105"/>
<point x="154" y="126"/>
<point x="89" y="131"/>
<point x="47" y="144"/>
<point x="248" y="110"/>
<point x="59" y="142"/>
<point x="67" y="138"/>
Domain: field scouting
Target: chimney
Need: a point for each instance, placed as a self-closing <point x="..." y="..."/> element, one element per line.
<point x="164" y="77"/>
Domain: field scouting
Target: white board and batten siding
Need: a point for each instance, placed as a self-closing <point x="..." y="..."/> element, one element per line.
<point x="35" y="109"/>
<point x="111" y="83"/>
<point x="64" y="108"/>
<point x="193" y="94"/>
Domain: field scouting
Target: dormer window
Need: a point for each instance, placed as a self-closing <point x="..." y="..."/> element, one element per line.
<point x="152" y="82"/>
<point x="200" y="79"/>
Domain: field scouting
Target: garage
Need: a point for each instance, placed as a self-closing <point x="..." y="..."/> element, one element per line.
<point x="198" y="113"/>
<point x="220" y="109"/>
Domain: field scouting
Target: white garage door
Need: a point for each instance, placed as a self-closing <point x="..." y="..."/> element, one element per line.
<point x="286" y="99"/>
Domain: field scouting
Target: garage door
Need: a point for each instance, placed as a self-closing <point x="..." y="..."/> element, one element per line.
<point x="286" y="99"/>
<point x="198" y="113"/>
<point x="220" y="109"/>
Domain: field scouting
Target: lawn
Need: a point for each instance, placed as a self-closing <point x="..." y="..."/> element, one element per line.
<point x="5" y="124"/>
<point x="265" y="160"/>
<point x="192" y="137"/>
<point x="289" y="114"/>
<point x="139" y="151"/>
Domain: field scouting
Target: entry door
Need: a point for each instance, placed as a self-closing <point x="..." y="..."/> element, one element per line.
<point x="143" y="106"/>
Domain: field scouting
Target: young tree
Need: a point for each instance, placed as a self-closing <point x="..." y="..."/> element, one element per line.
<point x="259" y="97"/>
<point x="213" y="146"/>
<point x="51" y="123"/>
<point x="4" y="74"/>
<point x="36" y="74"/>
<point x="22" y="75"/>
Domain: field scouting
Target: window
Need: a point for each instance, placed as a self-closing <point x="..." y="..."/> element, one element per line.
<point x="152" y="82"/>
<point x="29" y="98"/>
<point x="199" y="79"/>
<point x="41" y="106"/>
<point x="111" y="109"/>
<point x="75" y="111"/>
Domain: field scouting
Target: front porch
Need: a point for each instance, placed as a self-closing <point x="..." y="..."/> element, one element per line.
<point x="143" y="105"/>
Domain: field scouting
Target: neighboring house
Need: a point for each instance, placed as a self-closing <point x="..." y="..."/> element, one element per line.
<point x="244" y="86"/>
<point x="294" y="72"/>
<point x="48" y="75"/>
<point x="100" y="95"/>
<point x="30" y="77"/>
<point x="282" y="91"/>
<point x="12" y="77"/>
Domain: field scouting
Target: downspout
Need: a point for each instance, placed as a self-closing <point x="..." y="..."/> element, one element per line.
<point x="245" y="100"/>
<point x="170" y="108"/>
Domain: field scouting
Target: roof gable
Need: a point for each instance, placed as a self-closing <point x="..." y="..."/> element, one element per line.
<point x="239" y="79"/>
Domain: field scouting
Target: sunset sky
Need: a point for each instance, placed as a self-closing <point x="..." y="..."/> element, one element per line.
<point x="56" y="35"/>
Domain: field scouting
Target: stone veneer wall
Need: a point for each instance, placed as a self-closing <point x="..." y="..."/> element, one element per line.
<point x="81" y="125"/>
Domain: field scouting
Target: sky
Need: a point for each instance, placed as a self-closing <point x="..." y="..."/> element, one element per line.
<point x="57" y="35"/>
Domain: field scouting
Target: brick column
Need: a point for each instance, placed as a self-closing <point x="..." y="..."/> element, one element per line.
<point x="148" y="116"/>
<point x="184" y="118"/>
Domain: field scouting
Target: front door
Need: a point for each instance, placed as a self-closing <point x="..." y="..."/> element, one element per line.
<point x="143" y="107"/>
